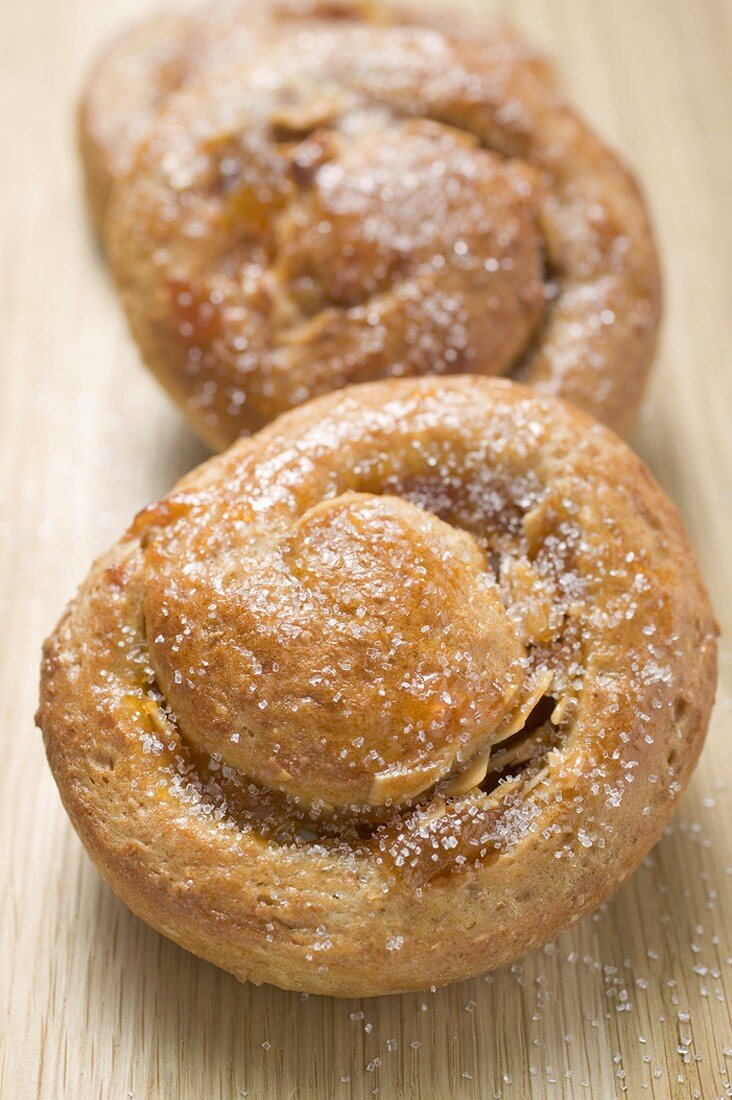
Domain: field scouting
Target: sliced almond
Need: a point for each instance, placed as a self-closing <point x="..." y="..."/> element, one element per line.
<point x="470" y="777"/>
<point x="539" y="778"/>
<point x="399" y="786"/>
<point x="560" y="711"/>
<point x="534" y="692"/>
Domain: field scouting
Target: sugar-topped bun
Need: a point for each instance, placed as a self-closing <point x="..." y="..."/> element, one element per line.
<point x="388" y="694"/>
<point x="352" y="200"/>
<point x="153" y="59"/>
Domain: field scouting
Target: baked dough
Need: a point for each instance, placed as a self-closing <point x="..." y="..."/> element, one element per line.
<point x="154" y="58"/>
<point x="390" y="693"/>
<point x="352" y="200"/>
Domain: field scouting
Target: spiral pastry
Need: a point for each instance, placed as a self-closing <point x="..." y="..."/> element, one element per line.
<point x="360" y="201"/>
<point x="132" y="79"/>
<point x="390" y="693"/>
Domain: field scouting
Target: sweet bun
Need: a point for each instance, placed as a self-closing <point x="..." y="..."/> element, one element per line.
<point x="142" y="67"/>
<point x="390" y="693"/>
<point x="357" y="200"/>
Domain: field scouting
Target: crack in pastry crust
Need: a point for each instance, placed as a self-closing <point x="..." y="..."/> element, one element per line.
<point x="352" y="201"/>
<point x="188" y="707"/>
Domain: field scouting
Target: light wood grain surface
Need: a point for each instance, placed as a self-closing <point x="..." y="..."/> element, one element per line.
<point x="633" y="1002"/>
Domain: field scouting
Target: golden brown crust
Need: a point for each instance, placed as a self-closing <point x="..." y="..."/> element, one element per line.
<point x="245" y="600"/>
<point x="146" y="64"/>
<point x="325" y="201"/>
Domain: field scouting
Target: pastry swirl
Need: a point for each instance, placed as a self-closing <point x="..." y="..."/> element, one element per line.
<point x="367" y="689"/>
<point x="136" y="74"/>
<point x="359" y="201"/>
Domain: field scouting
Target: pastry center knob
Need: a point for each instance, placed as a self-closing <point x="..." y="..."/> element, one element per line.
<point x="363" y="657"/>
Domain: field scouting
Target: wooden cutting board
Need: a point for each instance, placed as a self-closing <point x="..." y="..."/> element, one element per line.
<point x="630" y="1003"/>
